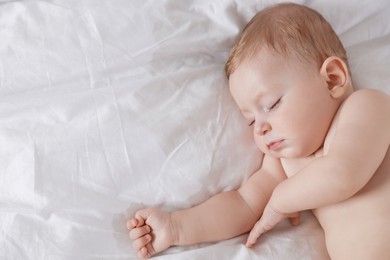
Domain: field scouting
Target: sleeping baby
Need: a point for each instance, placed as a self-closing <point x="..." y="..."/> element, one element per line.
<point x="325" y="144"/>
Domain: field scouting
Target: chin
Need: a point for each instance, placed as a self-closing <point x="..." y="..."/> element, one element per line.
<point x="289" y="153"/>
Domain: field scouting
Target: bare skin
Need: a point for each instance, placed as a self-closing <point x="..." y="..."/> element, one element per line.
<point x="326" y="149"/>
<point x="358" y="227"/>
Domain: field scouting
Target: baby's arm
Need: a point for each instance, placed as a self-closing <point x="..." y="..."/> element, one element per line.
<point x="356" y="151"/>
<point x="361" y="142"/>
<point x="223" y="216"/>
<point x="231" y="213"/>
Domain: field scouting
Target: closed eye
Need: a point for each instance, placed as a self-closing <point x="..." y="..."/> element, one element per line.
<point x="273" y="106"/>
<point x="252" y="123"/>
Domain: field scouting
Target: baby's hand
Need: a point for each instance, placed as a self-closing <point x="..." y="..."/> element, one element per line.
<point x="151" y="231"/>
<point x="268" y="221"/>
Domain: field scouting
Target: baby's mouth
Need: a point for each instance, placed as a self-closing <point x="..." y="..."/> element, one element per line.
<point x="273" y="146"/>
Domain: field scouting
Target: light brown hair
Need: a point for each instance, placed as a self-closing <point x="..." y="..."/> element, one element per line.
<point x="288" y="29"/>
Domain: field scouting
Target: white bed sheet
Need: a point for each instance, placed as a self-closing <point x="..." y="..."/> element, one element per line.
<point x="109" y="106"/>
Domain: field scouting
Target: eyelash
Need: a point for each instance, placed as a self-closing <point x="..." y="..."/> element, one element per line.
<point x="273" y="106"/>
<point x="269" y="109"/>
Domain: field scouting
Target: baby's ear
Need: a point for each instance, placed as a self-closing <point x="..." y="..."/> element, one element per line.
<point x="335" y="72"/>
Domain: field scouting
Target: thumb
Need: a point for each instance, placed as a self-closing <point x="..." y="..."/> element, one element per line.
<point x="142" y="215"/>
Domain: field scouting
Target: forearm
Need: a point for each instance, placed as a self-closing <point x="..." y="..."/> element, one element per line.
<point x="356" y="150"/>
<point x="223" y="216"/>
<point x="319" y="184"/>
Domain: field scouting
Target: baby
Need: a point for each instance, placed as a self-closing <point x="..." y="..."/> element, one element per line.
<point x="326" y="145"/>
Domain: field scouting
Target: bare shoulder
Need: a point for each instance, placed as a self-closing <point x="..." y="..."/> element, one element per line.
<point x="366" y="98"/>
<point x="367" y="104"/>
<point x="366" y="109"/>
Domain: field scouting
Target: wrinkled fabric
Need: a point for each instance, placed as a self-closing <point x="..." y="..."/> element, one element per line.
<point x="110" y="106"/>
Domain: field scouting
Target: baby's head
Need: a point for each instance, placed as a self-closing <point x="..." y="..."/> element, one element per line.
<point x="288" y="74"/>
<point x="288" y="29"/>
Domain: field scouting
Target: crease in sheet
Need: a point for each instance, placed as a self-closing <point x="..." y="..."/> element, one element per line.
<point x="161" y="41"/>
<point x="94" y="57"/>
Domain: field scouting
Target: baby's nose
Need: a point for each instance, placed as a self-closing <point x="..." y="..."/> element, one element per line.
<point x="263" y="129"/>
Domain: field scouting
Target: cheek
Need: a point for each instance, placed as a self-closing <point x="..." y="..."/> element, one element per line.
<point x="259" y="142"/>
<point x="309" y="131"/>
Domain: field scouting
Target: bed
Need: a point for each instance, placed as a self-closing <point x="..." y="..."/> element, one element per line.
<point x="110" y="106"/>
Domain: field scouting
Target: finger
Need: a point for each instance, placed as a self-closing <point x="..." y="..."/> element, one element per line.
<point x="143" y="253"/>
<point x="131" y="223"/>
<point x="251" y="241"/>
<point x="150" y="249"/>
<point x="295" y="219"/>
<point x="142" y="215"/>
<point x="139" y="221"/>
<point x="141" y="242"/>
<point x="255" y="233"/>
<point x="136" y="233"/>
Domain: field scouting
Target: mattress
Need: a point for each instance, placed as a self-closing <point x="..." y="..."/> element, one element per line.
<point x="107" y="107"/>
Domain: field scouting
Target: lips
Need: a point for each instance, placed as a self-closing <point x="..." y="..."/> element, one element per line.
<point x="274" y="145"/>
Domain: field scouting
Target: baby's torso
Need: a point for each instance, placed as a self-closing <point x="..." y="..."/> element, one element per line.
<point x="362" y="219"/>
